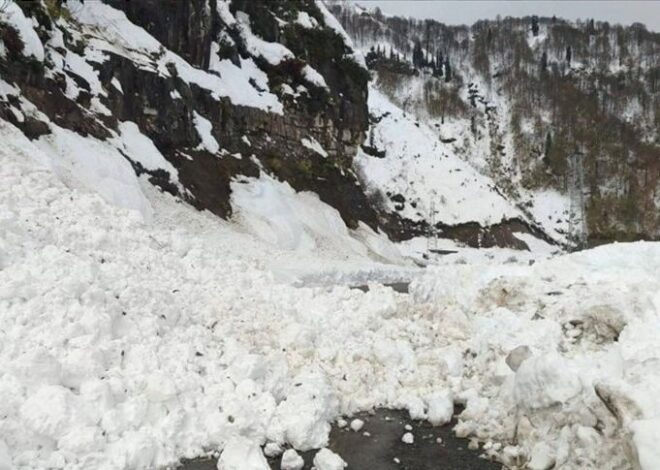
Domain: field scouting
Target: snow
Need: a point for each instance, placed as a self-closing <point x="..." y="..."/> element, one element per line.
<point x="312" y="144"/>
<point x="408" y="438"/>
<point x="103" y="317"/>
<point x="551" y="210"/>
<point x="325" y="459"/>
<point x="291" y="460"/>
<point x="108" y="29"/>
<point x="141" y="149"/>
<point x="313" y="77"/>
<point x="242" y="454"/>
<point x="566" y="311"/>
<point x="89" y="163"/>
<point x="425" y="172"/>
<point x="306" y="21"/>
<point x="13" y="16"/>
<point x="299" y="221"/>
<point x="272" y="52"/>
<point x="204" y="130"/>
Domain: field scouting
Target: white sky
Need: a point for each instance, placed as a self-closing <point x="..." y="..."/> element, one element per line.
<point x="469" y="11"/>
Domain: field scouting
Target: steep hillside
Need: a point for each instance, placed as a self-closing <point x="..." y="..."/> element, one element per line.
<point x="564" y="116"/>
<point x="201" y="96"/>
<point x="219" y="88"/>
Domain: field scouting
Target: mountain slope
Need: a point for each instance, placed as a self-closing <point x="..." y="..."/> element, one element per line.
<point x="198" y="96"/>
<point x="555" y="112"/>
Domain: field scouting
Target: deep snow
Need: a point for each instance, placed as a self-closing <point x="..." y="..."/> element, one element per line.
<point x="128" y="343"/>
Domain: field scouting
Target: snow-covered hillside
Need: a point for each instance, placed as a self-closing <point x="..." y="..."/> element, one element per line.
<point x="503" y="95"/>
<point x="416" y="165"/>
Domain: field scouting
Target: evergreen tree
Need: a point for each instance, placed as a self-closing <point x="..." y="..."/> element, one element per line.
<point x="548" y="145"/>
<point x="417" y="55"/>
<point x="447" y="70"/>
<point x="569" y="55"/>
<point x="544" y="61"/>
<point x="591" y="28"/>
<point x="535" y="25"/>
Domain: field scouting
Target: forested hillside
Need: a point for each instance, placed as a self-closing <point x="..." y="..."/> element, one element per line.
<point x="564" y="116"/>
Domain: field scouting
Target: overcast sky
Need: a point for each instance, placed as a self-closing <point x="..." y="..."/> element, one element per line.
<point x="467" y="12"/>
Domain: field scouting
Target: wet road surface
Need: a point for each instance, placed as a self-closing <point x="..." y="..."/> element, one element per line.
<point x="379" y="449"/>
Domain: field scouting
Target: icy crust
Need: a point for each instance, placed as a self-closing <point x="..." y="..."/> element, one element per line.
<point x="560" y="357"/>
<point x="424" y="171"/>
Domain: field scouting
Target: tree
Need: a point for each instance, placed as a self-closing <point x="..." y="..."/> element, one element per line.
<point x="447" y="70"/>
<point x="591" y="28"/>
<point x="417" y="55"/>
<point x="544" y="62"/>
<point x="535" y="25"/>
<point x="548" y="146"/>
<point x="569" y="55"/>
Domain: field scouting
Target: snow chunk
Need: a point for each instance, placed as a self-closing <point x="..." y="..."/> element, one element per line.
<point x="291" y="460"/>
<point x="325" y="459"/>
<point x="204" y="128"/>
<point x="14" y="17"/>
<point x="357" y="424"/>
<point x="272" y="449"/>
<point x="242" y="454"/>
<point x="545" y="381"/>
<point x="312" y="144"/>
<point x="408" y="438"/>
<point x="440" y="408"/>
<point x="48" y="410"/>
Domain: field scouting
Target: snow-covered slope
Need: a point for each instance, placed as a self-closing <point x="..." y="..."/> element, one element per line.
<point x="503" y="95"/>
<point x="425" y="171"/>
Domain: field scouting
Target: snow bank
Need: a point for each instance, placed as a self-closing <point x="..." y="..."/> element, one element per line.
<point x="561" y="355"/>
<point x="127" y="345"/>
<point x="84" y="163"/>
<point x="134" y="345"/>
<point x="277" y="214"/>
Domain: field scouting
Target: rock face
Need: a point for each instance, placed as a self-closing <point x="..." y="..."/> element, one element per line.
<point x="330" y="110"/>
